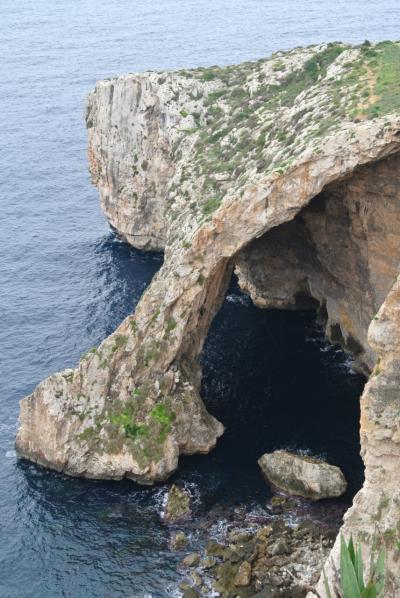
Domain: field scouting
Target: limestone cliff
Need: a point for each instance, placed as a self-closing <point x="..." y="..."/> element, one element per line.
<point x="286" y="169"/>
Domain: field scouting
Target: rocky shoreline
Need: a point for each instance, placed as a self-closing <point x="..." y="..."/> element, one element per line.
<point x="271" y="551"/>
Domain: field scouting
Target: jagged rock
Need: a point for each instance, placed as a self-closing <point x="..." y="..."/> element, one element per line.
<point x="188" y="591"/>
<point x="178" y="541"/>
<point x="243" y="576"/>
<point x="305" y="207"/>
<point x="178" y="504"/>
<point x="239" y="537"/>
<point x="302" y="475"/>
<point x="279" y="547"/>
<point x="280" y="504"/>
<point x="191" y="560"/>
<point x="214" y="548"/>
<point x="264" y="533"/>
<point x="196" y="579"/>
<point x="245" y="565"/>
<point x="208" y="562"/>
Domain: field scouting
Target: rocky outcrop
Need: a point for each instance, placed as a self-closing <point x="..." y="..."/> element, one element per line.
<point x="219" y="166"/>
<point x="301" y="475"/>
<point x="274" y="560"/>
<point x="178" y="504"/>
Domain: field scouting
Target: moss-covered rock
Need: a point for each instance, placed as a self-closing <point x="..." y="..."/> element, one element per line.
<point x="178" y="504"/>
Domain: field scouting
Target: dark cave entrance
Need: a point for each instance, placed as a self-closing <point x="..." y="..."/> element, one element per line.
<point x="270" y="375"/>
<point x="274" y="381"/>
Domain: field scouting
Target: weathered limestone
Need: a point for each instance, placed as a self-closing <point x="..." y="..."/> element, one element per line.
<point x="376" y="508"/>
<point x="342" y="251"/>
<point x="218" y="166"/>
<point x="178" y="540"/>
<point x="302" y="476"/>
<point x="178" y="505"/>
<point x="271" y="561"/>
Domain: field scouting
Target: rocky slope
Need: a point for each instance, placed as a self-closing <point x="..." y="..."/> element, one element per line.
<point x="288" y="170"/>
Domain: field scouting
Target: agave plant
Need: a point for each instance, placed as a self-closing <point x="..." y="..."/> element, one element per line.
<point x="350" y="579"/>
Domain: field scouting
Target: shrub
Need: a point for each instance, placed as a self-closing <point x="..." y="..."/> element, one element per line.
<point x="89" y="352"/>
<point x="131" y="429"/>
<point x="211" y="205"/>
<point x="278" y="66"/>
<point x="119" y="342"/>
<point x="171" y="324"/>
<point x="162" y="414"/>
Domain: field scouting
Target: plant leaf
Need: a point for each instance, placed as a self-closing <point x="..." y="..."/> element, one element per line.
<point x="350" y="548"/>
<point x="348" y="578"/>
<point x="369" y="591"/>
<point x="326" y="585"/>
<point x="359" y="567"/>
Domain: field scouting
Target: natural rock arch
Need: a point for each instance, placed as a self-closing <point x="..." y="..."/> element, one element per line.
<point x="133" y="405"/>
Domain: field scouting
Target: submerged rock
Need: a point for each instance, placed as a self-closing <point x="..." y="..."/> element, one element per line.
<point x="178" y="505"/>
<point x="178" y="541"/>
<point x="280" y="504"/>
<point x="243" y="575"/>
<point x="302" y="475"/>
<point x="188" y="591"/>
<point x="191" y="560"/>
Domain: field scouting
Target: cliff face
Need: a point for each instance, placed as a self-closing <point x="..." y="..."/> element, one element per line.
<point x="286" y="169"/>
<point x="133" y="123"/>
<point x="342" y="251"/>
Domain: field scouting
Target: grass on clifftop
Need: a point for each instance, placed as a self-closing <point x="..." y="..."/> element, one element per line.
<point x="386" y="67"/>
<point x="258" y="123"/>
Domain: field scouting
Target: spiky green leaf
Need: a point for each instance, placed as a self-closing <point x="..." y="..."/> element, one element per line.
<point x="350" y="548"/>
<point x="359" y="567"/>
<point x="369" y="591"/>
<point x="348" y="578"/>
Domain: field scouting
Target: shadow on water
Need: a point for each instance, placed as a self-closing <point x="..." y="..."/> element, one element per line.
<point x="275" y="382"/>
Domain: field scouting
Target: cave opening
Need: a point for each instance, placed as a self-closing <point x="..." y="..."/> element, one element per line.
<point x="274" y="381"/>
<point x="276" y="362"/>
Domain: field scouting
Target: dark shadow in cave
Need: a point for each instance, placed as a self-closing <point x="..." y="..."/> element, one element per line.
<point x="275" y="382"/>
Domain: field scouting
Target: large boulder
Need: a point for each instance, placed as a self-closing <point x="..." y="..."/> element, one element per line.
<point x="178" y="504"/>
<point x="302" y="475"/>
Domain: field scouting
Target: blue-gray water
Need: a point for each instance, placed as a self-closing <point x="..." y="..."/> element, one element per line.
<point x="66" y="282"/>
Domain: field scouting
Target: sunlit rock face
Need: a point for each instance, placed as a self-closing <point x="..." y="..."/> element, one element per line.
<point x="302" y="475"/>
<point x="223" y="166"/>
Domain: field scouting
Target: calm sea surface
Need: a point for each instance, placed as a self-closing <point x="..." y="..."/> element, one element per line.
<point x="66" y="282"/>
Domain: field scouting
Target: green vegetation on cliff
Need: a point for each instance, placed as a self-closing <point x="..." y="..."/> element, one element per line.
<point x="259" y="117"/>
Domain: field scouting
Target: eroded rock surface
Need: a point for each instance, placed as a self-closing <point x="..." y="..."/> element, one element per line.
<point x="341" y="251"/>
<point x="178" y="504"/>
<point x="218" y="166"/>
<point x="274" y="560"/>
<point x="301" y="475"/>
